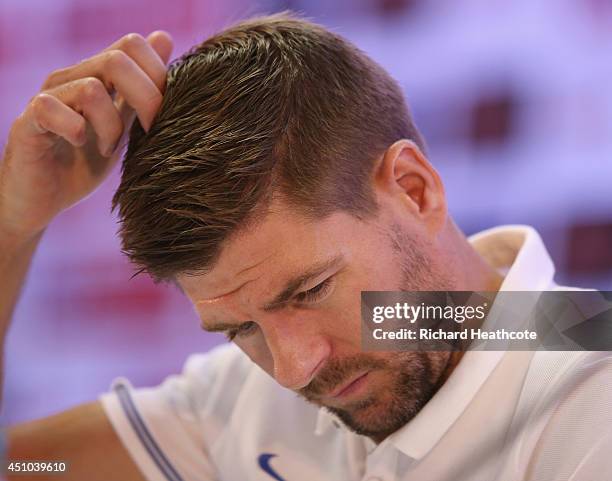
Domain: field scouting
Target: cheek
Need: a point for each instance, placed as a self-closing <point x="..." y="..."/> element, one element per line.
<point x="382" y="272"/>
<point x="256" y="349"/>
<point x="341" y="322"/>
<point x="345" y="313"/>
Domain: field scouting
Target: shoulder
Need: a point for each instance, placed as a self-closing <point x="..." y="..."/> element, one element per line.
<point x="222" y="362"/>
<point x="215" y="378"/>
<point x="573" y="410"/>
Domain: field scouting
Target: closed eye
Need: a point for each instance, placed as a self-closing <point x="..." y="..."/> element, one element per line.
<point x="243" y="330"/>
<point x="316" y="293"/>
<point x="311" y="296"/>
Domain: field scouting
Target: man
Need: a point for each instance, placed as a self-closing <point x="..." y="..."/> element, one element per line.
<point x="275" y="173"/>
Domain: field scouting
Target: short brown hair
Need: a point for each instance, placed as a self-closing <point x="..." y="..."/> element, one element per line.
<point x="273" y="105"/>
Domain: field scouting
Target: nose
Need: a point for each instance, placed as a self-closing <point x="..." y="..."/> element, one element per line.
<point x="297" y="351"/>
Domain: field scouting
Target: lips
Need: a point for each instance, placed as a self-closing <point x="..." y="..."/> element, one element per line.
<point x="348" y="386"/>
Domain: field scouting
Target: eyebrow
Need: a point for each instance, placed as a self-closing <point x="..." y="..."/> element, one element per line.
<point x="219" y="327"/>
<point x="291" y="287"/>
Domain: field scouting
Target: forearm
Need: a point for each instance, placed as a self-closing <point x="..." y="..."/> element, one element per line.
<point x="15" y="259"/>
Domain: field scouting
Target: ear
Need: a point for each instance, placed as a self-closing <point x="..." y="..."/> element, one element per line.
<point x="406" y="178"/>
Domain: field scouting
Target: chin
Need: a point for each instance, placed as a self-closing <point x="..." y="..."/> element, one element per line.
<point x="377" y="418"/>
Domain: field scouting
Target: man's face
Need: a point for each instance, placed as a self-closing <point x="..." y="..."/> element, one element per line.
<point x="287" y="291"/>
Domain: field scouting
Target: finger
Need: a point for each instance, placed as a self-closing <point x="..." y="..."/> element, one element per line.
<point x="65" y="110"/>
<point x="162" y="43"/>
<point x="132" y="45"/>
<point x="136" y="88"/>
<point x="46" y="113"/>
<point x="145" y="56"/>
<point x="89" y="97"/>
<point x="120" y="73"/>
<point x="148" y="54"/>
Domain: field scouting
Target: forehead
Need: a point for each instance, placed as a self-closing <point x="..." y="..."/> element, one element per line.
<point x="283" y="242"/>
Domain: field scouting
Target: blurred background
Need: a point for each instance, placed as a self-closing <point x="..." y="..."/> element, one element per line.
<point x="514" y="99"/>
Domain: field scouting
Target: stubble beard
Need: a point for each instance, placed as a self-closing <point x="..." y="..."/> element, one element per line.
<point x="413" y="377"/>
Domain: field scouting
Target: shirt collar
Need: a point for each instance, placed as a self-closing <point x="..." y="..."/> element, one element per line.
<point x="518" y="252"/>
<point x="519" y="249"/>
<point x="325" y="420"/>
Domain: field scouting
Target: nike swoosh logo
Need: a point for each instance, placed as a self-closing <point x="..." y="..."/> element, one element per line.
<point x="264" y="463"/>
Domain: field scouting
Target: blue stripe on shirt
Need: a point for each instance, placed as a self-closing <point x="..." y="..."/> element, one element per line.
<point x="144" y="434"/>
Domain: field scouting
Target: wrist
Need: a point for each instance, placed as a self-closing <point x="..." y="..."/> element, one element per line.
<point x="14" y="233"/>
<point x="12" y="243"/>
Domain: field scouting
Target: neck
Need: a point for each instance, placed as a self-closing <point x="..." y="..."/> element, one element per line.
<point x="474" y="273"/>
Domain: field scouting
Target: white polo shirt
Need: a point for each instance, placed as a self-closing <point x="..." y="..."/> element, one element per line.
<point x="542" y="416"/>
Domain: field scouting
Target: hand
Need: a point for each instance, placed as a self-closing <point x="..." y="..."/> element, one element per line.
<point x="66" y="141"/>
